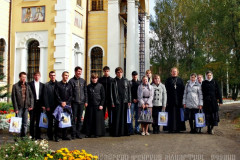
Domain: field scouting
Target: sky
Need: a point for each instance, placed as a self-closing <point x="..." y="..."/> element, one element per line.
<point x="151" y="5"/>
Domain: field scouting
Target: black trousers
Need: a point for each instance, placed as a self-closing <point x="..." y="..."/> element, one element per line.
<point x="155" y="111"/>
<point x="51" y="124"/>
<point x="77" y="110"/>
<point x="192" y="122"/>
<point x="35" y="114"/>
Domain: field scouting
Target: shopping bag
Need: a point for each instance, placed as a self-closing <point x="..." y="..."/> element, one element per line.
<point x="145" y="116"/>
<point x="200" y="120"/>
<point x="15" y="125"/>
<point x="65" y="120"/>
<point x="162" y="118"/>
<point x="129" y="115"/>
<point x="43" y="121"/>
<point x="182" y="114"/>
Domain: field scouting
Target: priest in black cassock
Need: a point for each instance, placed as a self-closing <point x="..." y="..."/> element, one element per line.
<point x="175" y="90"/>
<point x="121" y="100"/>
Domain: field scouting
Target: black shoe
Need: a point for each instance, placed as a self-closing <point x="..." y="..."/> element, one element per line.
<point x="78" y="137"/>
<point x="38" y="138"/>
<point x="73" y="137"/>
<point x="56" y="140"/>
<point x="96" y="136"/>
<point x="87" y="136"/>
<point x="66" y="139"/>
<point x="137" y="132"/>
<point x="154" y="132"/>
<point x="50" y="138"/>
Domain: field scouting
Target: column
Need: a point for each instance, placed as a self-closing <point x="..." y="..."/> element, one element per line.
<point x="63" y="37"/>
<point x="113" y="39"/>
<point x="147" y="55"/>
<point x="137" y="36"/>
<point x="43" y="64"/>
<point x="131" y="39"/>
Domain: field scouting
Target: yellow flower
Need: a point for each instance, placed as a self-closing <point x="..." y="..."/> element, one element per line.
<point x="45" y="158"/>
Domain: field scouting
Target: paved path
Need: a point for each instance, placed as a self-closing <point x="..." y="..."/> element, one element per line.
<point x="183" y="146"/>
<point x="224" y="145"/>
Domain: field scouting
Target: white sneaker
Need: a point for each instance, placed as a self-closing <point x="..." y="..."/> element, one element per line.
<point x="147" y="133"/>
<point x="143" y="133"/>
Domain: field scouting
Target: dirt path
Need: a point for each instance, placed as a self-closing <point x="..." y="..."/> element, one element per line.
<point x="224" y="145"/>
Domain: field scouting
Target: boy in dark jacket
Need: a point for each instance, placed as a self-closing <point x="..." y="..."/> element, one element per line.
<point x="94" y="118"/>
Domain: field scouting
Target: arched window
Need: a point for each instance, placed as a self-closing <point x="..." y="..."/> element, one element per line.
<point x="33" y="58"/>
<point x="96" y="60"/>
<point x="97" y="5"/>
<point x="2" y="50"/>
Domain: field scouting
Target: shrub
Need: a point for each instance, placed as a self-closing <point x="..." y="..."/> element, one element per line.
<point x="25" y="148"/>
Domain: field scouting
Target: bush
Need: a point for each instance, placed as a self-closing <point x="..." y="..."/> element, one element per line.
<point x="24" y="149"/>
<point x="6" y="106"/>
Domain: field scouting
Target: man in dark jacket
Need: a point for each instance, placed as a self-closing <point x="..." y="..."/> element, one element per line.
<point x="38" y="90"/>
<point x="134" y="83"/>
<point x="63" y="93"/>
<point x="23" y="101"/>
<point x="121" y="94"/>
<point x="79" y="88"/>
<point x="50" y="105"/>
<point x="106" y="81"/>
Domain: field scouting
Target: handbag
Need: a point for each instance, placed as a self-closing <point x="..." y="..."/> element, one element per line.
<point x="65" y="120"/>
<point x="145" y="116"/>
<point x="200" y="119"/>
<point x="162" y="118"/>
<point x="43" y="121"/>
<point x="15" y="125"/>
<point x="129" y="115"/>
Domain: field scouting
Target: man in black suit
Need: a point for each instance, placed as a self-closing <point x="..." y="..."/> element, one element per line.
<point x="37" y="89"/>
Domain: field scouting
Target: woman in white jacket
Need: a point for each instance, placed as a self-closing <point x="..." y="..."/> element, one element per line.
<point x="192" y="100"/>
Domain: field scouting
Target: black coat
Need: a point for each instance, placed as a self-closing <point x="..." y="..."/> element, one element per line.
<point x="63" y="93"/>
<point x="126" y="97"/>
<point x="134" y="88"/>
<point x="211" y="96"/>
<point x="17" y="97"/>
<point x="49" y="96"/>
<point x="79" y="88"/>
<point x="96" y="94"/>
<point x="41" y="93"/>
<point x="174" y="103"/>
<point x="174" y="96"/>
<point x="106" y="82"/>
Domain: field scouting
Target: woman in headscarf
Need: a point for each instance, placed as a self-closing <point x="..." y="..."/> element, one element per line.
<point x="192" y="100"/>
<point x="212" y="99"/>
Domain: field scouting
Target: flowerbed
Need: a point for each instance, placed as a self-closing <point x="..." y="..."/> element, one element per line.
<point x="65" y="154"/>
<point x="26" y="149"/>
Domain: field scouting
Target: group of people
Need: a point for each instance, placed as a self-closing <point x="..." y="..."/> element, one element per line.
<point x="116" y="96"/>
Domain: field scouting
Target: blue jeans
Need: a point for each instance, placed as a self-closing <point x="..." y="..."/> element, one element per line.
<point x="23" y="113"/>
<point x="134" y="108"/>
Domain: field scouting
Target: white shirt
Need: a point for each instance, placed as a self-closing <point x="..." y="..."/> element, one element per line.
<point x="37" y="84"/>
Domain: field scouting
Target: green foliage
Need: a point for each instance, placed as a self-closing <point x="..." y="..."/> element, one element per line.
<point x="24" y="149"/>
<point x="196" y="36"/>
<point x="6" y="106"/>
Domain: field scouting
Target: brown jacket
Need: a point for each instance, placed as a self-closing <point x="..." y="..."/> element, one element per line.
<point x="17" y="97"/>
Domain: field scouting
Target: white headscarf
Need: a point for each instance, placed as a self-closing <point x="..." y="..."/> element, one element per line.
<point x="207" y="74"/>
